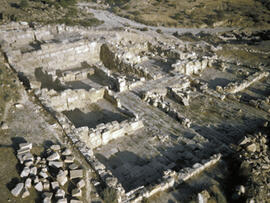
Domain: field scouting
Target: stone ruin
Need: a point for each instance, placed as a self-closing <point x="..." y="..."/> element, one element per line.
<point x="49" y="174"/>
<point x="99" y="90"/>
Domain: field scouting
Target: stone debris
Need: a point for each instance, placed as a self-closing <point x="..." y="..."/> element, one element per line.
<point x="17" y="190"/>
<point x="47" y="195"/>
<point x="25" y="146"/>
<point x="56" y="164"/>
<point x="64" y="200"/>
<point x="54" y="185"/>
<point x="60" y="193"/>
<point x="43" y="174"/>
<point x="44" y="180"/>
<point x="76" y="173"/>
<point x="25" y="192"/>
<point x="46" y="186"/>
<point x="33" y="170"/>
<point x="252" y="155"/>
<point x="28" y="183"/>
<point x="69" y="159"/>
<point x="75" y="201"/>
<point x="73" y="166"/>
<point x="25" y="172"/>
<point x="62" y="177"/>
<point x="76" y="192"/>
<point x="66" y="152"/>
<point x="81" y="184"/>
<point x="55" y="147"/>
<point x="53" y="157"/>
<point x="39" y="187"/>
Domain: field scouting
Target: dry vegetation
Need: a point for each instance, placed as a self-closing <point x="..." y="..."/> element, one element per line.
<point x="45" y="12"/>
<point x="195" y="13"/>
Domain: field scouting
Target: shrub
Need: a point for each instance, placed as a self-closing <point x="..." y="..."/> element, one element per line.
<point x="144" y="29"/>
<point x="159" y="31"/>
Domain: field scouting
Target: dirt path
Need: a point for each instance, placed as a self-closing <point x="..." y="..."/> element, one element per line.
<point x="111" y="21"/>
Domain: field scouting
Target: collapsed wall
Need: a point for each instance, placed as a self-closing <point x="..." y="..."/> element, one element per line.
<point x="113" y="60"/>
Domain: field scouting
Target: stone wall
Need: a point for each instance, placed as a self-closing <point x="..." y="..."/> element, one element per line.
<point x="72" y="99"/>
<point x="74" y="75"/>
<point x="113" y="60"/>
<point x="235" y="87"/>
<point x="190" y="67"/>
<point x="171" y="179"/>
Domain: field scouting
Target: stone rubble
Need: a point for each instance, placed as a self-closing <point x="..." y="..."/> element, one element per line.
<point x="38" y="173"/>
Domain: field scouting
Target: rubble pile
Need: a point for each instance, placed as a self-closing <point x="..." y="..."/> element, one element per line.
<point x="263" y="104"/>
<point x="157" y="100"/>
<point x="253" y="154"/>
<point x="49" y="174"/>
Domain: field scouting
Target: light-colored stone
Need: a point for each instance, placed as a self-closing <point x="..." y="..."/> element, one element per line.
<point x="25" y="193"/>
<point x="28" y="183"/>
<point x="46" y="186"/>
<point x="33" y="170"/>
<point x="64" y="200"/>
<point x="75" y="201"/>
<point x="81" y="184"/>
<point x="252" y="147"/>
<point x="73" y="166"/>
<point x="53" y="157"/>
<point x="25" y="172"/>
<point x="62" y="177"/>
<point x="43" y="175"/>
<point x="76" y="173"/>
<point x="69" y="159"/>
<point x="47" y="195"/>
<point x="66" y="152"/>
<point x="55" y="147"/>
<point x="25" y="146"/>
<point x="46" y="200"/>
<point x="17" y="190"/>
<point x="56" y="164"/>
<point x="39" y="187"/>
<point x="60" y="193"/>
<point x="76" y="192"/>
<point x="54" y="185"/>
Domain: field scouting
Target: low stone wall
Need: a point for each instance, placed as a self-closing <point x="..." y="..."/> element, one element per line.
<point x="73" y="75"/>
<point x="72" y="99"/>
<point x="171" y="179"/>
<point x="103" y="134"/>
<point x="190" y="67"/>
<point x="235" y="87"/>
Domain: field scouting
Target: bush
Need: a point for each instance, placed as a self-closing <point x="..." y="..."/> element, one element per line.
<point x="144" y="29"/>
<point x="159" y="31"/>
